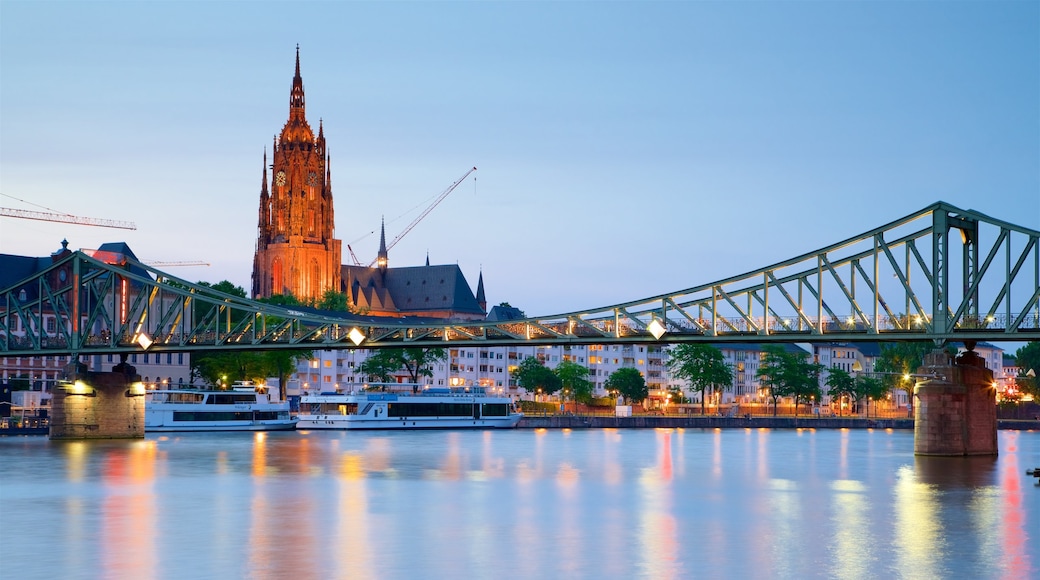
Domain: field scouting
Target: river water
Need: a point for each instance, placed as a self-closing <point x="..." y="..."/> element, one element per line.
<point x="532" y="504"/>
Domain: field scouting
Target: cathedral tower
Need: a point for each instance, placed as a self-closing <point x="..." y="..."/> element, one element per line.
<point x="295" y="249"/>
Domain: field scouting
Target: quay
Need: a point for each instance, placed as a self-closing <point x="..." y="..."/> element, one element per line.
<point x="754" y="422"/>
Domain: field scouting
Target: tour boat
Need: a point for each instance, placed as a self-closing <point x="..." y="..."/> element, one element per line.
<point x="403" y="406"/>
<point x="242" y="408"/>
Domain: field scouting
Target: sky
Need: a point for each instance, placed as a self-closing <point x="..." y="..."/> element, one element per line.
<point x="624" y="149"/>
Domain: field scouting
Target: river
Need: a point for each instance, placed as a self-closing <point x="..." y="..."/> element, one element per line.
<point x="532" y="504"/>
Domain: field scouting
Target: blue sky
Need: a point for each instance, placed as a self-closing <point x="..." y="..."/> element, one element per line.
<point x="624" y="149"/>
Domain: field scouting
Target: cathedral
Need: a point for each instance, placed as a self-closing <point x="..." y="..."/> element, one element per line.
<point x="297" y="253"/>
<point x="295" y="249"/>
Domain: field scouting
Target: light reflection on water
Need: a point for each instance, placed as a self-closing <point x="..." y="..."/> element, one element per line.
<point x="665" y="503"/>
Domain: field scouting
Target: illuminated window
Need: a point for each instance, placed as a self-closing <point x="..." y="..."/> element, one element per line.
<point x="328" y="364"/>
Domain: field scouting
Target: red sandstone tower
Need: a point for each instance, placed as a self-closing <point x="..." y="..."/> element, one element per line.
<point x="295" y="249"/>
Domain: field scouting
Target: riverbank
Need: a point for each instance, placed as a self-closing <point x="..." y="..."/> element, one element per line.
<point x="755" y="422"/>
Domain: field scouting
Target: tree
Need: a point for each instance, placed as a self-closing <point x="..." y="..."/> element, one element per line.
<point x="841" y="384"/>
<point x="414" y="361"/>
<point x="899" y="359"/>
<point x="532" y="376"/>
<point x="417" y="361"/>
<point x="629" y="383"/>
<point x="333" y="301"/>
<point x="573" y="378"/>
<point x="789" y="375"/>
<point x="701" y="366"/>
<point x="382" y="365"/>
<point x="871" y="389"/>
<point x="214" y="366"/>
<point x="1028" y="359"/>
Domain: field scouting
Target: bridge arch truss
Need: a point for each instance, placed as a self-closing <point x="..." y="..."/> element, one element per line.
<point x="939" y="274"/>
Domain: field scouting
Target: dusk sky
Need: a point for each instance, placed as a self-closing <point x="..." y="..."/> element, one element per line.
<point x="624" y="149"/>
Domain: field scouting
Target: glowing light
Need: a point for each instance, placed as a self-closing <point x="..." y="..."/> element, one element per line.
<point x="355" y="336"/>
<point x="656" y="329"/>
<point x="143" y="340"/>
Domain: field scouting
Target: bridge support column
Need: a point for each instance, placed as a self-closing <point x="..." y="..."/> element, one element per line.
<point x="955" y="412"/>
<point x="91" y="405"/>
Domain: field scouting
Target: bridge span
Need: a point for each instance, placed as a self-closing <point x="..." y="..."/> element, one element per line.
<point x="939" y="274"/>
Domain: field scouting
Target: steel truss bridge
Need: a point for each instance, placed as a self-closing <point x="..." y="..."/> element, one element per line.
<point x="940" y="274"/>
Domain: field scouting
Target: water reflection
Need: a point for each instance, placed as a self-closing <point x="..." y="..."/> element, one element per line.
<point x="668" y="503"/>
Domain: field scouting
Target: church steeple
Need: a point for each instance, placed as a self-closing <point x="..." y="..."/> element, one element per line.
<point x="381" y="259"/>
<point x="296" y="100"/>
<point x="481" y="301"/>
<point x="297" y="252"/>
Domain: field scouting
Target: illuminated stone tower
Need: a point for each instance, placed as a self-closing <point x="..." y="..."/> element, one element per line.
<point x="295" y="249"/>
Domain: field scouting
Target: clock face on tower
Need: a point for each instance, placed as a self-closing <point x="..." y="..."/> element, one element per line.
<point x="280" y="178"/>
<point x="312" y="179"/>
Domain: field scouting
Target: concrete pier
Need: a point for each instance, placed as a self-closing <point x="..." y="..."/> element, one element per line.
<point x="955" y="411"/>
<point x="92" y="405"/>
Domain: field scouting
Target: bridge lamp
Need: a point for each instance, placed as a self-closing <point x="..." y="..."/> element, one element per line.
<point x="143" y="340"/>
<point x="356" y="336"/>
<point x="656" y="329"/>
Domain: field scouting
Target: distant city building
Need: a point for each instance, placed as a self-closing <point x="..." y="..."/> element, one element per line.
<point x="41" y="373"/>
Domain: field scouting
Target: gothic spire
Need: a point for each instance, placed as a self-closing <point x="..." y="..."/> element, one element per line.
<point x="296" y="101"/>
<point x="481" y="301"/>
<point x="381" y="259"/>
<point x="263" y="187"/>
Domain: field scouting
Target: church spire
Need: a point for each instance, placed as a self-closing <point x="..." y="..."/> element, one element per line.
<point x="481" y="301"/>
<point x="296" y="101"/>
<point x="381" y="259"/>
<point x="263" y="186"/>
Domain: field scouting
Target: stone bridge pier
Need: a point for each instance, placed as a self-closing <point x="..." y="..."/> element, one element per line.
<point x="91" y="405"/>
<point x="955" y="411"/>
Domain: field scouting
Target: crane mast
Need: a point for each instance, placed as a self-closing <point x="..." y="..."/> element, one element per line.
<point x="425" y="212"/>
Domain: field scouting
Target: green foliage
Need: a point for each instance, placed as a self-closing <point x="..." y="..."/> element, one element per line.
<point x="840" y="383"/>
<point x="1028" y="358"/>
<point x="629" y="383"/>
<point x="281" y="300"/>
<point x="899" y="359"/>
<point x="870" y="388"/>
<point x="384" y="363"/>
<point x="334" y="302"/>
<point x="212" y="367"/>
<point x="531" y="375"/>
<point x="573" y="378"/>
<point x="702" y="366"/>
<point x="788" y="374"/>
<point x="226" y="287"/>
<point x="679" y="397"/>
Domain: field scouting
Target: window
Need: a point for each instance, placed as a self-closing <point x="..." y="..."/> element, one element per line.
<point x="328" y="364"/>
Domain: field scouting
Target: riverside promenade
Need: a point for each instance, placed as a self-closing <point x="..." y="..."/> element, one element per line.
<point x="563" y="421"/>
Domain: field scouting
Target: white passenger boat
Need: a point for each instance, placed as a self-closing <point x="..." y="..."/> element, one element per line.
<point x="242" y="408"/>
<point x="401" y="406"/>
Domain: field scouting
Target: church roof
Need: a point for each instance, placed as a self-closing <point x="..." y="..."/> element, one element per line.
<point x="411" y="289"/>
<point x="14" y="269"/>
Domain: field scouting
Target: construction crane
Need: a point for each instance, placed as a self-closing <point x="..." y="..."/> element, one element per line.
<point x="65" y="218"/>
<point x="425" y="212"/>
<point x="177" y="264"/>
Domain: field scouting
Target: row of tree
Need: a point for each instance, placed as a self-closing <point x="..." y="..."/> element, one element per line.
<point x="572" y="380"/>
<point x="702" y="367"/>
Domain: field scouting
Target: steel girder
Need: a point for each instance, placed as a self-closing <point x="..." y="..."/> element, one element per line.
<point x="891" y="283"/>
